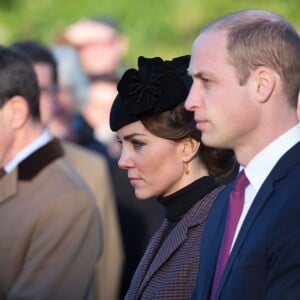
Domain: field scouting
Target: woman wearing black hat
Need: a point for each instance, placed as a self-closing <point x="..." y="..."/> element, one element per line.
<point x="164" y="157"/>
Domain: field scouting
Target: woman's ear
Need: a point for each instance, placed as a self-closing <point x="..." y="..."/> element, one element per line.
<point x="190" y="148"/>
<point x="19" y="111"/>
<point x="265" y="81"/>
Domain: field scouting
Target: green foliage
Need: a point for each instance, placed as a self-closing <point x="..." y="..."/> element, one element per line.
<point x="158" y="27"/>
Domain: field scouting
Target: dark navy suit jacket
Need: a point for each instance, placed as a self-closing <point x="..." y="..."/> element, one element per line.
<point x="265" y="260"/>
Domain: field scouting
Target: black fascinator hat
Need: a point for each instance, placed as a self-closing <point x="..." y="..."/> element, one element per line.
<point x="157" y="86"/>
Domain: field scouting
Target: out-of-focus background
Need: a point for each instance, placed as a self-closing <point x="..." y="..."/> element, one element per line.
<point x="157" y="27"/>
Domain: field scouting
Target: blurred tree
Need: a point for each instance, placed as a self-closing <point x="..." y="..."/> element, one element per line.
<point x="8" y="4"/>
<point x="166" y="28"/>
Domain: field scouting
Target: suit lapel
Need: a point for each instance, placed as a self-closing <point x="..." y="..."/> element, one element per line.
<point x="8" y="185"/>
<point x="210" y="248"/>
<point x="279" y="171"/>
<point x="254" y="211"/>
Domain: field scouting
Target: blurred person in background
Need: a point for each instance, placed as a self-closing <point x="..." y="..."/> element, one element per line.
<point x="164" y="157"/>
<point x="90" y="165"/>
<point x="50" y="225"/>
<point x="71" y="91"/>
<point x="101" y="47"/>
<point x="100" y="43"/>
<point x="100" y="95"/>
<point x="71" y="98"/>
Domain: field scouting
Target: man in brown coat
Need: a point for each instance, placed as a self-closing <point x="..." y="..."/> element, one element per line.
<point x="91" y="166"/>
<point x="50" y="228"/>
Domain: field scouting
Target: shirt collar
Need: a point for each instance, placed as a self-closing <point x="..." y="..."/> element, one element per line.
<point x="261" y="165"/>
<point x="42" y="140"/>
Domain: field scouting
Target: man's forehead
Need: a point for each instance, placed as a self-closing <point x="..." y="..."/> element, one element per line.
<point x="88" y="31"/>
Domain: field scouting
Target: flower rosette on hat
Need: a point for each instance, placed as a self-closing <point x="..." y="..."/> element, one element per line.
<point x="157" y="86"/>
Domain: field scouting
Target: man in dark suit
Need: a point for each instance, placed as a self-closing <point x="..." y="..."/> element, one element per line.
<point x="50" y="229"/>
<point x="246" y="72"/>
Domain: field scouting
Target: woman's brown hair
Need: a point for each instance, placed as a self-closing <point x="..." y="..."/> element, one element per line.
<point x="177" y="124"/>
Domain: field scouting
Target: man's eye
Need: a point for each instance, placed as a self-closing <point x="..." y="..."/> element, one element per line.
<point x="205" y="80"/>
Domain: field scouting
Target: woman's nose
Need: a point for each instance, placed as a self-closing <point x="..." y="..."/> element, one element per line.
<point x="124" y="161"/>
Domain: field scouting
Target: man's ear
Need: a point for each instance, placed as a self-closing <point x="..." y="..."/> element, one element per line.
<point x="19" y="111"/>
<point x="190" y="148"/>
<point x="265" y="81"/>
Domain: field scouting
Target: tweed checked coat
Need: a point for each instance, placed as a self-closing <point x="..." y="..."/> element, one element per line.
<point x="169" y="271"/>
<point x="50" y="237"/>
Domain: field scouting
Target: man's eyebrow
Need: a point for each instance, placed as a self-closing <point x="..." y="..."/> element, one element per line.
<point x="199" y="74"/>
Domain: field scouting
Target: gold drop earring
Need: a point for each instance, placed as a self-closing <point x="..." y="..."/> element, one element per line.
<point x="186" y="168"/>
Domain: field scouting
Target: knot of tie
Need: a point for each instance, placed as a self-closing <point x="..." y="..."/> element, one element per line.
<point x="241" y="182"/>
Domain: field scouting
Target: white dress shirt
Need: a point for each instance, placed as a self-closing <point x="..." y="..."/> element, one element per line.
<point x="42" y="140"/>
<point x="261" y="165"/>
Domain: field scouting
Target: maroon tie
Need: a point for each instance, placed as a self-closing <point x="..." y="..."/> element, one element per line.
<point x="236" y="203"/>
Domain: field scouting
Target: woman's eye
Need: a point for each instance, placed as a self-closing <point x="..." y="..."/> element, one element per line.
<point x="137" y="144"/>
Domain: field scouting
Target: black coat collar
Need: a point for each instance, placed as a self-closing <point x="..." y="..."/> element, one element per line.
<point x="39" y="159"/>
